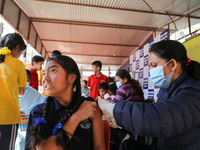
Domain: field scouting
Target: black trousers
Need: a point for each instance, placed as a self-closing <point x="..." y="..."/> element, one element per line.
<point x="117" y="135"/>
<point x="131" y="144"/>
<point x="8" y="134"/>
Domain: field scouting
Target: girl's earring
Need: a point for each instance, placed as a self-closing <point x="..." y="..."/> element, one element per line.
<point x="74" y="89"/>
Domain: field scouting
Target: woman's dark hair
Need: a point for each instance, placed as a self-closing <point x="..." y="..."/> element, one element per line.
<point x="56" y="53"/>
<point x="69" y="65"/>
<point x="125" y="74"/>
<point x="170" y="49"/>
<point x="10" y="41"/>
<point x="113" y="88"/>
<point x="85" y="82"/>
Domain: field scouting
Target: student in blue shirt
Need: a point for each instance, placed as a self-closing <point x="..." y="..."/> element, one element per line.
<point x="31" y="97"/>
<point x="65" y="121"/>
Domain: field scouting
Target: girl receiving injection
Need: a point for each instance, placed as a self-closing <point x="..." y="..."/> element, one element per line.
<point x="64" y="121"/>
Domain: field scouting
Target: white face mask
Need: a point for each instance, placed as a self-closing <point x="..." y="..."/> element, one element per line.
<point x="158" y="78"/>
<point x="118" y="84"/>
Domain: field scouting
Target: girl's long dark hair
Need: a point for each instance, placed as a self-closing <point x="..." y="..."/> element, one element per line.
<point x="62" y="138"/>
<point x="125" y="74"/>
<point x="170" y="49"/>
<point x="10" y="41"/>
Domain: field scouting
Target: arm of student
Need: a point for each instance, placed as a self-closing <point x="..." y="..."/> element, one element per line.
<point x="71" y="125"/>
<point x="50" y="144"/>
<point x="22" y="91"/>
<point x="21" y="78"/>
<point x="86" y="110"/>
<point x="98" y="131"/>
<point x="120" y="94"/>
<point x="88" y="83"/>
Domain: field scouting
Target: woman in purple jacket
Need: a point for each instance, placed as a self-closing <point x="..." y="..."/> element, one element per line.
<point x="175" y="118"/>
<point x="128" y="88"/>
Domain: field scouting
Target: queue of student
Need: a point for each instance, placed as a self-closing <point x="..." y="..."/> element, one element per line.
<point x="69" y="118"/>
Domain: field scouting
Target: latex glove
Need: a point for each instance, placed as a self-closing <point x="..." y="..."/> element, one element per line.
<point x="106" y="96"/>
<point x="105" y="106"/>
<point x="105" y="116"/>
<point x="112" y="122"/>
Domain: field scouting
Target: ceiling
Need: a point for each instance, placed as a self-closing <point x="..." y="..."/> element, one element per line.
<point x="105" y="30"/>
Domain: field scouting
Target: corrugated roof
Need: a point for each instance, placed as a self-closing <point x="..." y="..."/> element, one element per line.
<point x="110" y="29"/>
<point x="85" y="13"/>
<point x="66" y="32"/>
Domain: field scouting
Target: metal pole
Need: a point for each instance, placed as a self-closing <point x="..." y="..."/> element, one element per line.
<point x="189" y="24"/>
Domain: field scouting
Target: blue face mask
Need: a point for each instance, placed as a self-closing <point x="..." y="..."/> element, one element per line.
<point x="158" y="78"/>
<point x="118" y="84"/>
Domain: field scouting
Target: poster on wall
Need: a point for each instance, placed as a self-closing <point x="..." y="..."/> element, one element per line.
<point x="139" y="63"/>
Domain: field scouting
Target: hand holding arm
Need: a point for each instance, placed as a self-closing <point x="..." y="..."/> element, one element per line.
<point x="86" y="110"/>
